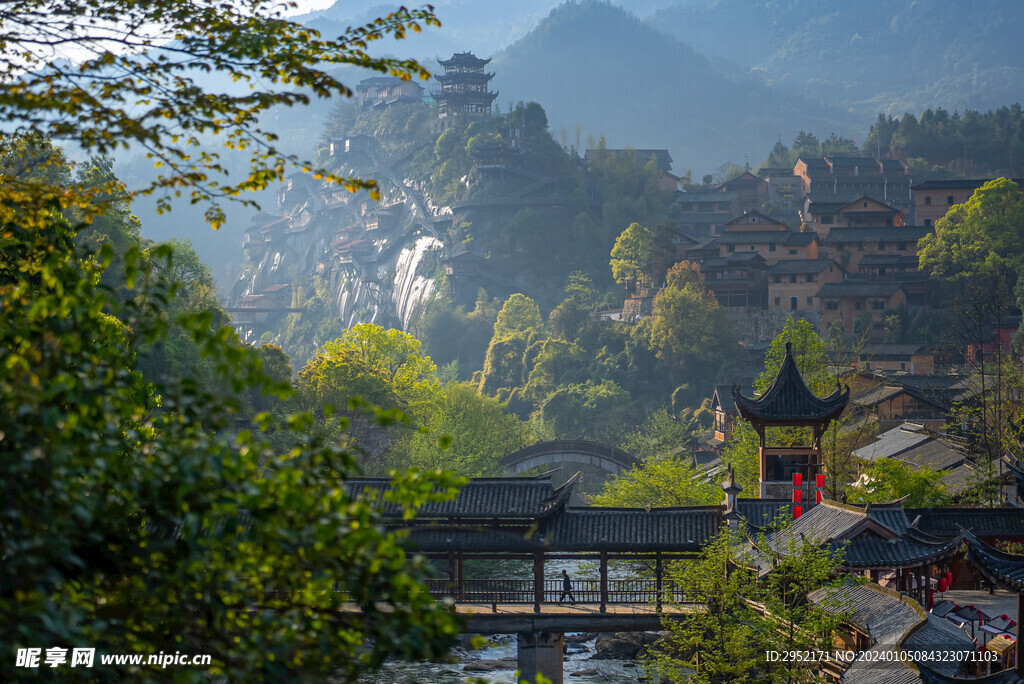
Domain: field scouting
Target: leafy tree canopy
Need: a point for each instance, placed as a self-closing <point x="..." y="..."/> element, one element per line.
<point x="887" y="480"/>
<point x="141" y="80"/>
<point x="979" y="237"/>
<point x="135" y="521"/>
<point x="633" y="254"/>
<point x="519" y="314"/>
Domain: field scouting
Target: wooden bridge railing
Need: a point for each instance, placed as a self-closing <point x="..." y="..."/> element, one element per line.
<point x="628" y="591"/>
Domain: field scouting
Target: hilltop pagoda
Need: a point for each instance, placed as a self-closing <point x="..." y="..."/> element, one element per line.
<point x="464" y="87"/>
<point x="790" y="403"/>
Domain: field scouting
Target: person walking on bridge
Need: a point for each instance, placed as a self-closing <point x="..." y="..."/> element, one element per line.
<point x="566" y="588"/>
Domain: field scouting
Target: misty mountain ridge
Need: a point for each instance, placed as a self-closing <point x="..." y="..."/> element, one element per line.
<point x="595" y="64"/>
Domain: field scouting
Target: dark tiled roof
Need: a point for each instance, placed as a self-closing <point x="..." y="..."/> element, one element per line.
<point x="941" y="635"/>
<point x="467" y="59"/>
<point x="495" y="498"/>
<point x="801" y="266"/>
<point x="873" y="351"/>
<point x="983" y="522"/>
<point x="854" y="288"/>
<point x="878" y="612"/>
<point x="664" y="529"/>
<point x="724" y="397"/>
<point x="888" y="260"/>
<point x="950" y="184"/>
<point x="788" y="399"/>
<point x="762" y="512"/>
<point x="826" y="207"/>
<point x="870" y="550"/>
<point x="735" y="237"/>
<point x="893" y="622"/>
<point x="1004" y="569"/>
<point x="869" y="233"/>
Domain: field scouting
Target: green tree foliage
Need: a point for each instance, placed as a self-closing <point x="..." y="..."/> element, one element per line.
<point x="519" y="314"/>
<point x="130" y="520"/>
<point x="466" y="433"/>
<point x="666" y="476"/>
<point x="382" y="366"/>
<point x="691" y="334"/>
<point x="131" y="88"/>
<point x="588" y="410"/>
<point x="727" y="642"/>
<point x="668" y="480"/>
<point x="887" y="480"/>
<point x="982" y="236"/>
<point x="633" y="255"/>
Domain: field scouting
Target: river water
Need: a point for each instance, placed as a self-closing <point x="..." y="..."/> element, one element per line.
<point x="502" y="647"/>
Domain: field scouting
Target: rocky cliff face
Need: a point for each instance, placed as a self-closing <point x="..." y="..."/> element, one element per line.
<point x="328" y="259"/>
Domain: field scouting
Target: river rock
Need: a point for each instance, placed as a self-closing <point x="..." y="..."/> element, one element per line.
<point x="624" y="645"/>
<point x="488" y="665"/>
<point x="591" y="672"/>
<point x="582" y="637"/>
<point x="574" y="647"/>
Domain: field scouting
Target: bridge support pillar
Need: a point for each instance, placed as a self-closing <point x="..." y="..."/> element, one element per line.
<point x="540" y="653"/>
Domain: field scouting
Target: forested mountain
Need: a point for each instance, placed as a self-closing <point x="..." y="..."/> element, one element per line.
<point x="596" y="65"/>
<point x="869" y="57"/>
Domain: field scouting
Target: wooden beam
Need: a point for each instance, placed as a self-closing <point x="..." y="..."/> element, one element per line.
<point x="604" y="582"/>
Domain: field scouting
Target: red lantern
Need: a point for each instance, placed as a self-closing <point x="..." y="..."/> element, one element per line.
<point x="817" y="496"/>
<point x="943" y="585"/>
<point x="798" y="479"/>
<point x="949" y="578"/>
<point x="798" y="495"/>
<point x="820" y="481"/>
<point x="797" y="511"/>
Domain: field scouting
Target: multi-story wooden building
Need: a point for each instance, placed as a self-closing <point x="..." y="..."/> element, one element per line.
<point x="464" y="87"/>
<point x="846" y="178"/>
<point x="932" y="199"/>
<point x="793" y="284"/>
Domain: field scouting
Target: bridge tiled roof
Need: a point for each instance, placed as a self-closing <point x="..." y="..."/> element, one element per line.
<point x="499" y="498"/>
<point x="676" y="530"/>
<point x="789" y="400"/>
<point x="630" y="529"/>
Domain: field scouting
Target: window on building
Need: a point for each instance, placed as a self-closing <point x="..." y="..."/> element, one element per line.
<point x="792" y="277"/>
<point x="792" y="303"/>
<point x="949" y="199"/>
<point x="771" y="247"/>
<point x="792" y="251"/>
<point x="832" y="306"/>
<point x="927" y="223"/>
<point x="903" y="365"/>
<point x="877" y="306"/>
<point x="751" y="248"/>
<point x="901" y="246"/>
<point x="867" y="366"/>
<point x="860" y="246"/>
<point x="865" y="205"/>
<point x="881" y="245"/>
<point x="857" y="306"/>
<point x="827" y="220"/>
<point x="731" y="248"/>
<point x="810" y="300"/>
<point x="927" y="199"/>
<point x="778" y="301"/>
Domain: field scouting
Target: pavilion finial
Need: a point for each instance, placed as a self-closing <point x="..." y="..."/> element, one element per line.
<point x="789" y="348"/>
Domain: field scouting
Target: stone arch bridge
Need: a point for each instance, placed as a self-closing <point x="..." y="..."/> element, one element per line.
<point x="579" y="451"/>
